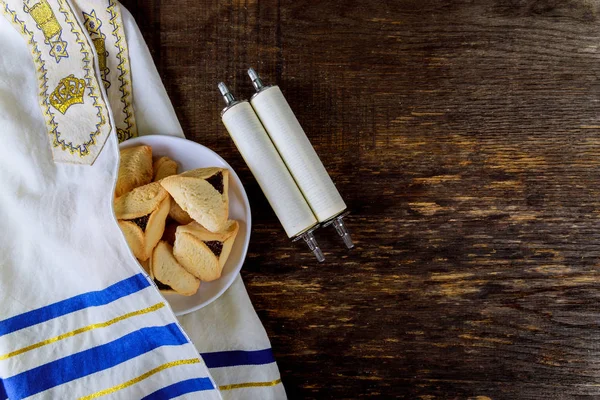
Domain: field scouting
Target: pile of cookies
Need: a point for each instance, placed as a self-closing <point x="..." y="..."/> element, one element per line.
<point x="175" y="224"/>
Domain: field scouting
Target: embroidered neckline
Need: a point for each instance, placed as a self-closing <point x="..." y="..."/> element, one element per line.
<point x="130" y="129"/>
<point x="71" y="90"/>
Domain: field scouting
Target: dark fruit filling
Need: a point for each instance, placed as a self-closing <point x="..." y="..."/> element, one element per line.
<point x="142" y="222"/>
<point x="162" y="286"/>
<point x="169" y="233"/>
<point x="216" y="181"/>
<point x="215" y="246"/>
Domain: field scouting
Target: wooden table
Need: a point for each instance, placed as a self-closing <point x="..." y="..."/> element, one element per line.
<point x="465" y="137"/>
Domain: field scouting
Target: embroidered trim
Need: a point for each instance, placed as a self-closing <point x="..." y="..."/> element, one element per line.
<point x="46" y="21"/>
<point x="125" y="88"/>
<point x="41" y="69"/>
<point x="92" y="24"/>
<point x="68" y="92"/>
<point x="89" y="77"/>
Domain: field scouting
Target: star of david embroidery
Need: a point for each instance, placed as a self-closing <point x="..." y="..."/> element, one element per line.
<point x="59" y="50"/>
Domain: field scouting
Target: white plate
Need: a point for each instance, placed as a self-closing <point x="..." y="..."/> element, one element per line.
<point x="191" y="155"/>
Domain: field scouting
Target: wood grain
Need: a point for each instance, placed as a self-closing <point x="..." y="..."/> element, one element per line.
<point x="465" y="137"/>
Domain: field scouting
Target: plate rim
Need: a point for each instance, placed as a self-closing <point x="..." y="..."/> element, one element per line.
<point x="139" y="140"/>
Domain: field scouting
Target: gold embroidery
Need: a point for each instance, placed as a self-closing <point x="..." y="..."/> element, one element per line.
<point x="130" y="129"/>
<point x="102" y="53"/>
<point x="40" y="67"/>
<point x="81" y="330"/>
<point x="92" y="24"/>
<point x="45" y="18"/>
<point x="82" y="146"/>
<point x="249" y="384"/>
<point x="140" y="378"/>
<point x="46" y="21"/>
<point x="90" y="79"/>
<point x="68" y="92"/>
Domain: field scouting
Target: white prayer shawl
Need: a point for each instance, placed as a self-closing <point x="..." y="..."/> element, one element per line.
<point x="79" y="318"/>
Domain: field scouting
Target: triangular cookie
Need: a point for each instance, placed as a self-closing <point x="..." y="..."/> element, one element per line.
<point x="168" y="274"/>
<point x="135" y="169"/>
<point x="164" y="167"/>
<point x="203" y="194"/>
<point x="204" y="253"/>
<point x="141" y="214"/>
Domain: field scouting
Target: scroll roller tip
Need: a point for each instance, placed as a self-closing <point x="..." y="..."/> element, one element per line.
<point x="256" y="81"/>
<point x="227" y="95"/>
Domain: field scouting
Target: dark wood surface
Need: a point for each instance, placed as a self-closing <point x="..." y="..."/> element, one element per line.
<point x="465" y="137"/>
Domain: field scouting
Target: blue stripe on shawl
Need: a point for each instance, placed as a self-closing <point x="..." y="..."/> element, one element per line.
<point x="181" y="388"/>
<point x="89" y="361"/>
<point x="238" y="357"/>
<point x="90" y="299"/>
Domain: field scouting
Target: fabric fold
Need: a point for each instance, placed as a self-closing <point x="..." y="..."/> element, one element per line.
<point x="78" y="316"/>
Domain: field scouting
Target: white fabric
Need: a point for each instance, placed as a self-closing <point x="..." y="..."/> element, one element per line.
<point x="153" y="109"/>
<point x="59" y="239"/>
<point x="60" y="246"/>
